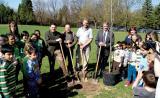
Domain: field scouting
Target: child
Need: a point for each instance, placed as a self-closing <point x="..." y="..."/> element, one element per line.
<point x="13" y="29"/>
<point x="142" y="64"/>
<point x="150" y="59"/>
<point x="37" y="46"/>
<point x="131" y="66"/>
<point x="12" y="42"/>
<point x="7" y="72"/>
<point x="117" y="58"/>
<point x="31" y="72"/>
<point x="124" y="67"/>
<point x="148" y="91"/>
<point x="2" y="42"/>
<point x="42" y="50"/>
<point x="24" y="39"/>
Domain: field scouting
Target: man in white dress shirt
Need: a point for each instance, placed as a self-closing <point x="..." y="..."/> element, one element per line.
<point x="85" y="36"/>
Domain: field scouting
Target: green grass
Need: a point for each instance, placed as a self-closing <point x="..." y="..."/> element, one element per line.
<point x="118" y="91"/>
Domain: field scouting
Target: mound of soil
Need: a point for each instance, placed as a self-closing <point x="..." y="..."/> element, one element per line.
<point x="90" y="88"/>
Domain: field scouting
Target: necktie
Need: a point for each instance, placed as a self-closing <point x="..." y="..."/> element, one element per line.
<point x="104" y="36"/>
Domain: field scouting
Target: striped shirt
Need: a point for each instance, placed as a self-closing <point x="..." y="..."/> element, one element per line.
<point x="7" y="78"/>
<point x="126" y="57"/>
<point x="133" y="58"/>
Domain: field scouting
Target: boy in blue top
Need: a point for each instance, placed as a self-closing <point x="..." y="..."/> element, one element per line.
<point x="31" y="73"/>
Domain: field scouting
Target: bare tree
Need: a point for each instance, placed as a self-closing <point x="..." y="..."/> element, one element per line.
<point x="40" y="11"/>
<point x="75" y="9"/>
<point x="97" y="11"/>
<point x="128" y="5"/>
<point x="53" y="8"/>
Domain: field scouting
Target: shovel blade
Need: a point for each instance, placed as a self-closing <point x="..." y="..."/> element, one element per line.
<point x="95" y="81"/>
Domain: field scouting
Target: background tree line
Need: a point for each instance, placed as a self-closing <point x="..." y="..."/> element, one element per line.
<point x="140" y="13"/>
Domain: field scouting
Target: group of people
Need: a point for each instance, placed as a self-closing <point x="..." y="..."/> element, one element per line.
<point x="135" y="58"/>
<point x="132" y="57"/>
<point x="24" y="52"/>
<point x="20" y="52"/>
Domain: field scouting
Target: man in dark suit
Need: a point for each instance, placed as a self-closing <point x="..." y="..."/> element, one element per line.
<point x="103" y="39"/>
<point x="53" y="39"/>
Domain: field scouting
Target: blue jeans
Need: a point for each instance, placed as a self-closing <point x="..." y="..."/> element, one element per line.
<point x="131" y="72"/>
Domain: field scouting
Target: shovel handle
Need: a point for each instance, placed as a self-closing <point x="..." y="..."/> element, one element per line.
<point x="81" y="51"/>
<point x="72" y="63"/>
<point x="99" y="52"/>
<point x="63" y="56"/>
<point x="71" y="58"/>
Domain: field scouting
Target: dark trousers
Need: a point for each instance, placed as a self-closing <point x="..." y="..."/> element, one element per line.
<point x="32" y="89"/>
<point x="51" y="63"/>
<point x="68" y="57"/>
<point x="18" y="68"/>
<point x="123" y="71"/>
<point x="78" y="60"/>
<point x="39" y="54"/>
<point x="25" y="86"/>
<point x="102" y="60"/>
<point x="115" y="66"/>
<point x="57" y="55"/>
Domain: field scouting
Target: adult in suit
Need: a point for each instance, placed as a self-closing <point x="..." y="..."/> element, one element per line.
<point x="103" y="39"/>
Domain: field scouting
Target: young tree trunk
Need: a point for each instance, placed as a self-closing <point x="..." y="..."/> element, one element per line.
<point x="95" y="24"/>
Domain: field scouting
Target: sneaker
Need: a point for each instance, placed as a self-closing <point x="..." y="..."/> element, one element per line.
<point x="127" y="84"/>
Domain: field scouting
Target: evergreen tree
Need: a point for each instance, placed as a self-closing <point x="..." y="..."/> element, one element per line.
<point x="157" y="16"/>
<point x="2" y="12"/>
<point x="148" y="16"/>
<point x="6" y="13"/>
<point x="25" y="12"/>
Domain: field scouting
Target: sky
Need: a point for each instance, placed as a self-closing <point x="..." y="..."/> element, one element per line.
<point x="155" y="2"/>
<point x="14" y="3"/>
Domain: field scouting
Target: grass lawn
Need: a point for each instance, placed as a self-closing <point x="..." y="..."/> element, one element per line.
<point x="117" y="91"/>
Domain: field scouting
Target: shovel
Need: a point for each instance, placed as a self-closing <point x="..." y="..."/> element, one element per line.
<point x="95" y="73"/>
<point x="72" y="64"/>
<point x="82" y="62"/>
<point x="63" y="56"/>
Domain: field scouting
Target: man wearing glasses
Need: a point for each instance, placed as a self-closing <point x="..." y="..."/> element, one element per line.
<point x="103" y="39"/>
